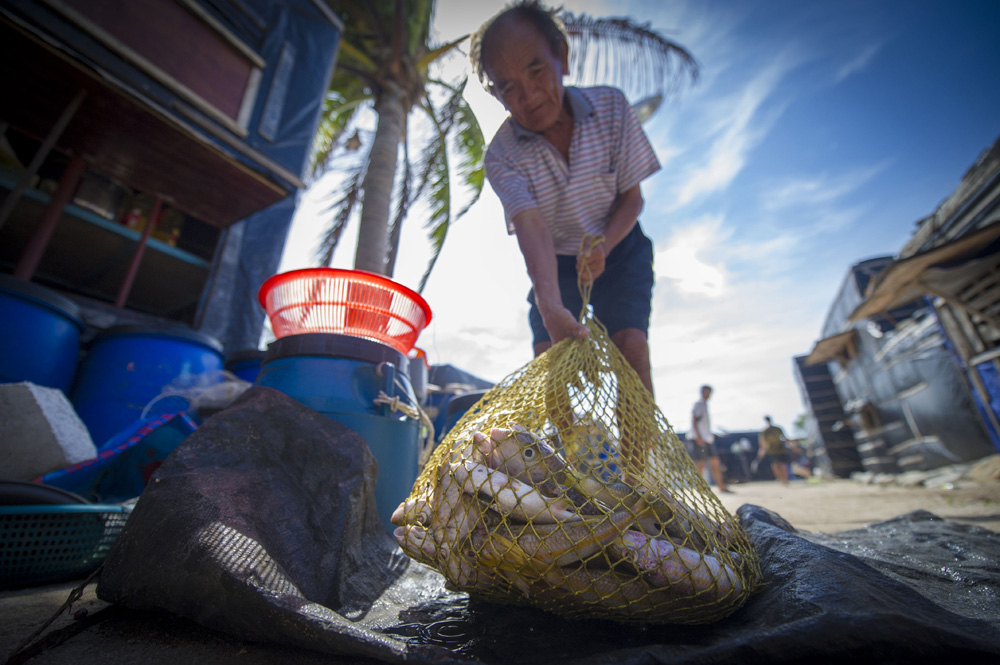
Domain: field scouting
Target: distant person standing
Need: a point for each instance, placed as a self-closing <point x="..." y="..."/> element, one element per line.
<point x="774" y="445"/>
<point x="799" y="464"/>
<point x="704" y="441"/>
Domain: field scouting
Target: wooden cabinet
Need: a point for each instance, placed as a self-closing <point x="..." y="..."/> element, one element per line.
<point x="89" y="255"/>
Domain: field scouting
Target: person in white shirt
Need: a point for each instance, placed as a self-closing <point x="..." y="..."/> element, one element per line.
<point x="704" y="440"/>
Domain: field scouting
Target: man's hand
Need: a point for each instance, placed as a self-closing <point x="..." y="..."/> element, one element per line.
<point x="590" y="266"/>
<point x="622" y="220"/>
<point x="560" y="323"/>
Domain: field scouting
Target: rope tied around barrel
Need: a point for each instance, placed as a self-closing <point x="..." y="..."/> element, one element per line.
<point x="413" y="411"/>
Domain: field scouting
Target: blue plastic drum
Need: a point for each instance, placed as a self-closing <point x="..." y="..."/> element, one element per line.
<point x="457" y="407"/>
<point x="127" y="367"/>
<point x="340" y="376"/>
<point x="245" y="364"/>
<point x="40" y="337"/>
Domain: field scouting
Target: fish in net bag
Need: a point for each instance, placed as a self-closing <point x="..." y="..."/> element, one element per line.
<point x="565" y="488"/>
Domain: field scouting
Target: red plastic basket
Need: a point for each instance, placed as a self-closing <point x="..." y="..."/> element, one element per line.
<point x="347" y="302"/>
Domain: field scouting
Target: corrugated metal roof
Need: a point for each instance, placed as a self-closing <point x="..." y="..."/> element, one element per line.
<point x="900" y="283"/>
<point x="828" y="348"/>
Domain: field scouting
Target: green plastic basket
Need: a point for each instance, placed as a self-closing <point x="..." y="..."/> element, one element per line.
<point x="46" y="544"/>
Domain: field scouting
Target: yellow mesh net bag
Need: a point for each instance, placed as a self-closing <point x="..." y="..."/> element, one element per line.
<point x="565" y="488"/>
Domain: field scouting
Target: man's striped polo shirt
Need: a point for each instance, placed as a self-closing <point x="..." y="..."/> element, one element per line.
<point x="609" y="153"/>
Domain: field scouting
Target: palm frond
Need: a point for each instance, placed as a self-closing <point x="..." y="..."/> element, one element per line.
<point x="424" y="63"/>
<point x="334" y="122"/>
<point x="434" y="178"/>
<point x="343" y="208"/>
<point x="418" y="17"/>
<point x="346" y="96"/>
<point x="365" y="21"/>
<point x="470" y="144"/>
<point x="625" y="54"/>
<point x="436" y="147"/>
<point x="440" y="215"/>
<point x="361" y="60"/>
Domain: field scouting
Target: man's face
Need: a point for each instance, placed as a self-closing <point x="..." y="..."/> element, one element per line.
<point x="706" y="393"/>
<point x="526" y="75"/>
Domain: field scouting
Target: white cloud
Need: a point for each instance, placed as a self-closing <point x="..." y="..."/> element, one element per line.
<point x="859" y="62"/>
<point x="730" y="312"/>
<point x="749" y="364"/>
<point x="822" y="189"/>
<point x="808" y="207"/>
<point x="740" y="340"/>
<point x="686" y="260"/>
<point x="734" y="124"/>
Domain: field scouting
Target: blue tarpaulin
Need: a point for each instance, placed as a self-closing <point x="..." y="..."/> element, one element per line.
<point x="124" y="464"/>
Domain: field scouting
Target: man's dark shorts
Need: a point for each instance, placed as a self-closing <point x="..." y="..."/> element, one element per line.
<point x="702" y="453"/>
<point x="621" y="295"/>
<point x="780" y="458"/>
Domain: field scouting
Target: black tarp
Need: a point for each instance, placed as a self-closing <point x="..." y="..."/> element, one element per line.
<point x="262" y="525"/>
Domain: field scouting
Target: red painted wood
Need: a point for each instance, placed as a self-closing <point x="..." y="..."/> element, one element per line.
<point x="133" y="269"/>
<point x="179" y="43"/>
<point x="36" y="247"/>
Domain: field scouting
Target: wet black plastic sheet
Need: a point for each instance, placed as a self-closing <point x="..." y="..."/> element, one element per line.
<point x="262" y="525"/>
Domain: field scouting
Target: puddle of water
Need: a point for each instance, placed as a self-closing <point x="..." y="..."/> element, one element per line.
<point x="453" y="634"/>
<point x="446" y="622"/>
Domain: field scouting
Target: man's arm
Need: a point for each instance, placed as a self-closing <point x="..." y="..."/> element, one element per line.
<point x="626" y="211"/>
<point x="535" y="241"/>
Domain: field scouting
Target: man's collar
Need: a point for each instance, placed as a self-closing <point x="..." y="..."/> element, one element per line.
<point x="577" y="102"/>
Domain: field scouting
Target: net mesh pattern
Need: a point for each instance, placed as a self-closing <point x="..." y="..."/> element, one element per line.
<point x="565" y="488"/>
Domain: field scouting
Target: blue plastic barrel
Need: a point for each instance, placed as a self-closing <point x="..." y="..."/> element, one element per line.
<point x="127" y="367"/>
<point x="457" y="407"/>
<point x="245" y="364"/>
<point x="40" y="336"/>
<point x="340" y="376"/>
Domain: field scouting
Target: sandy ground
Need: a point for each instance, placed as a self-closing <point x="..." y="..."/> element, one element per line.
<point x="114" y="636"/>
<point x="835" y="505"/>
<point x="840" y="505"/>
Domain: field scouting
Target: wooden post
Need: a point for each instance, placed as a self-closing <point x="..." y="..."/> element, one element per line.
<point x="43" y="151"/>
<point x="133" y="269"/>
<point x="32" y="254"/>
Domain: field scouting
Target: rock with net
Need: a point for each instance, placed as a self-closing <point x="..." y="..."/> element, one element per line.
<point x="565" y="488"/>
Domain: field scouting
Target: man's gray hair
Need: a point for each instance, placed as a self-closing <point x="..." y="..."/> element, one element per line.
<point x="532" y="11"/>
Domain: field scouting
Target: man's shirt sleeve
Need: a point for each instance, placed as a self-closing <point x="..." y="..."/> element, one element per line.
<point x="636" y="160"/>
<point x="510" y="185"/>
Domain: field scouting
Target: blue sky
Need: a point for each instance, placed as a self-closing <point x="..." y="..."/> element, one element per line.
<point x="819" y="133"/>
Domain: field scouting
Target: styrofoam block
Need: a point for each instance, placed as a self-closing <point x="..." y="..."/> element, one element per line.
<point x="39" y="432"/>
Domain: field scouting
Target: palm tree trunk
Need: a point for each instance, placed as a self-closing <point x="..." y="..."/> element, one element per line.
<point x="373" y="235"/>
